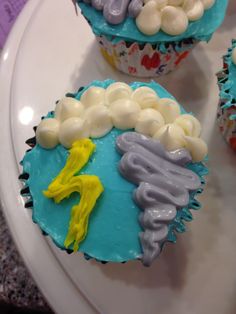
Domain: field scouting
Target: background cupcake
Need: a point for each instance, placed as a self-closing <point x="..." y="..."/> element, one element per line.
<point x="226" y="116"/>
<point x="114" y="171"/>
<point x="150" y="38"/>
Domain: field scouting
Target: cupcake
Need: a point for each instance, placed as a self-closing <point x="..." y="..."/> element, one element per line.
<point x="148" y="38"/>
<point x="226" y="116"/>
<point x="114" y="170"/>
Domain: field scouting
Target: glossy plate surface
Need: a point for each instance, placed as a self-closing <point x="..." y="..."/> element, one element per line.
<point x="52" y="51"/>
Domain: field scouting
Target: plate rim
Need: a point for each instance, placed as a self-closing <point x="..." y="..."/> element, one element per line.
<point x="9" y="181"/>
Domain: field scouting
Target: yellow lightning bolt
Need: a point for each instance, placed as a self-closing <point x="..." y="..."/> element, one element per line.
<point x="67" y="182"/>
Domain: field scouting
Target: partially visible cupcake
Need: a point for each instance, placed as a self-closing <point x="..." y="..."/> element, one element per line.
<point x="149" y="38"/>
<point x="114" y="171"/>
<point x="226" y="116"/>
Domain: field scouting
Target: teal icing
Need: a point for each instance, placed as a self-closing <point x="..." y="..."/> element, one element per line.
<point x="227" y="81"/>
<point x="127" y="31"/>
<point x="113" y="225"/>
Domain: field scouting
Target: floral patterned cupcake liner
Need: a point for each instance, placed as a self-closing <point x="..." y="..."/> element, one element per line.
<point x="144" y="60"/>
<point x="226" y="115"/>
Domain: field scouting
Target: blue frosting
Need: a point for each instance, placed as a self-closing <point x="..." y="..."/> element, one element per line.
<point x="113" y="225"/>
<point x="227" y="82"/>
<point x="128" y="31"/>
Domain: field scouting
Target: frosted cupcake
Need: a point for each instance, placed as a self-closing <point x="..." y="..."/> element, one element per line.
<point x="114" y="171"/>
<point x="227" y="106"/>
<point x="150" y="38"/>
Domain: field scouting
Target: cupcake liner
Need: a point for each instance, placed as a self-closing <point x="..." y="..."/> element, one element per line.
<point x="144" y="60"/>
<point x="226" y="115"/>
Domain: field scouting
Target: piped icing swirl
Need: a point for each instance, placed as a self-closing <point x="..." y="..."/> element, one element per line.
<point x="163" y="186"/>
<point x="170" y="16"/>
<point x="119" y="106"/>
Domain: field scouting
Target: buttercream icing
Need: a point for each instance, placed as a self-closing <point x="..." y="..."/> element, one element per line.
<point x="171" y="136"/>
<point x="174" y="20"/>
<point x="135" y="7"/>
<point x="201" y="29"/>
<point x="208" y="3"/>
<point x="169" y="109"/>
<point x="162" y="186"/>
<point x="149" y="19"/>
<point x="93" y="96"/>
<point x="71" y="130"/>
<point x="189" y="124"/>
<point x="124" y="109"/>
<point x="194" y="9"/>
<point x="47" y="133"/>
<point x="68" y="107"/>
<point x="124" y="113"/>
<point x="112" y="206"/>
<point x="149" y="122"/>
<point x="146" y="97"/>
<point x="88" y="186"/>
<point x="99" y="120"/>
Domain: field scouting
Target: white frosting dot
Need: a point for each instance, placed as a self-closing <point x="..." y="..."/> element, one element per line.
<point x="194" y="9"/>
<point x="171" y="16"/>
<point x="197" y="148"/>
<point x="68" y="107"/>
<point x="169" y="109"/>
<point x="149" y="122"/>
<point x="93" y="96"/>
<point x="149" y="19"/>
<point x="118" y="90"/>
<point x="99" y="121"/>
<point x="189" y="124"/>
<point x="124" y="109"/>
<point x="47" y="133"/>
<point x="234" y="56"/>
<point x="208" y="3"/>
<point x="171" y="136"/>
<point x="159" y="3"/>
<point x="71" y="130"/>
<point x="174" y="20"/>
<point x="175" y="2"/>
<point x="124" y="113"/>
<point x="145" y="97"/>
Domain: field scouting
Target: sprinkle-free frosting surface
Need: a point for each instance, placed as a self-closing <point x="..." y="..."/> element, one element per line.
<point x="163" y="186"/>
<point x="201" y="29"/>
<point x="114" y="226"/>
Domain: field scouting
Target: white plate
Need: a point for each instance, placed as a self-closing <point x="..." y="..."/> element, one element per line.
<point x="50" y="52"/>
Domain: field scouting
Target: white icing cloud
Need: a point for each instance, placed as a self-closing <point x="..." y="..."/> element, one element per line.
<point x="121" y="107"/>
<point x="171" y="16"/>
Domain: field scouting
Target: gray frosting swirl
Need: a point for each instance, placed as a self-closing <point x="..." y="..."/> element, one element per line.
<point x="163" y="186"/>
<point x="115" y="11"/>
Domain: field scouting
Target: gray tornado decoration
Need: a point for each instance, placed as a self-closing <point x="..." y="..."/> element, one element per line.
<point x="115" y="11"/>
<point x="163" y="186"/>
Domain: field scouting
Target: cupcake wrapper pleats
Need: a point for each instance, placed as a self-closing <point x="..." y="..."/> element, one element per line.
<point x="144" y="60"/>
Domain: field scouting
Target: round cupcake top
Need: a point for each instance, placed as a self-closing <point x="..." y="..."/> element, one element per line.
<point x="115" y="170"/>
<point x="154" y="20"/>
